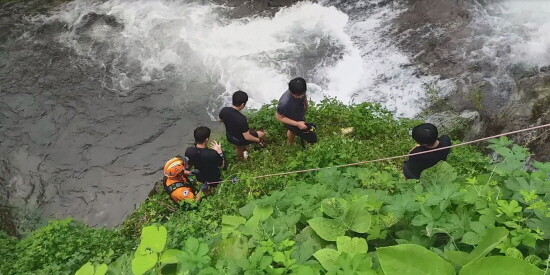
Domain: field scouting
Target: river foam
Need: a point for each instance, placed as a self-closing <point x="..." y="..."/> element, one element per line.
<point x="516" y="32"/>
<point x="530" y="22"/>
<point x="350" y="59"/>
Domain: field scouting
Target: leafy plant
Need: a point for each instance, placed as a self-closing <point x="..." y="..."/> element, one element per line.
<point x="343" y="218"/>
<point x="350" y="258"/>
<point x="64" y="246"/>
<point x="405" y="259"/>
<point x="90" y="269"/>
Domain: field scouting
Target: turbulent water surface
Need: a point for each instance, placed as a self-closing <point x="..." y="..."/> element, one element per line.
<point x="97" y="95"/>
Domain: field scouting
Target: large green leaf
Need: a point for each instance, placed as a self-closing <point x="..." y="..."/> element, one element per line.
<point x="359" y="264"/>
<point x="263" y="212"/>
<point x="458" y="257"/>
<point x="142" y="263"/>
<point x="357" y="218"/>
<point x="122" y="266"/>
<point x="328" y="229"/>
<point x="327" y="257"/>
<point x="351" y="246"/>
<point x="493" y="236"/>
<point x="411" y="259"/>
<point x="87" y="269"/>
<point x="362" y="223"/>
<point x="101" y="269"/>
<point x="152" y="237"/>
<point x="307" y="242"/>
<point x="500" y="265"/>
<point x="171" y="256"/>
<point x="334" y="207"/>
<point x="230" y="224"/>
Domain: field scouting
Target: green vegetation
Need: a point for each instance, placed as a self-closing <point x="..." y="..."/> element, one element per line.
<point x="61" y="247"/>
<point x="476" y="97"/>
<point x="467" y="216"/>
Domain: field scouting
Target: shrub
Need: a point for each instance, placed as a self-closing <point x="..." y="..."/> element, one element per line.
<point x="63" y="246"/>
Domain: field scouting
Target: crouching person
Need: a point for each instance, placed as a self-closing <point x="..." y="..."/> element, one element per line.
<point x="176" y="180"/>
<point x="236" y="126"/>
<point x="209" y="161"/>
<point x="426" y="137"/>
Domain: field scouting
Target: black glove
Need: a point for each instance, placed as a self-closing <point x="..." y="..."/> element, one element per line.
<point x="195" y="172"/>
<point x="204" y="187"/>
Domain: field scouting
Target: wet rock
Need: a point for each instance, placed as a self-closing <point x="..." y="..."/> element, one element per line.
<point x="528" y="107"/>
<point x="505" y="99"/>
<point x="439" y="24"/>
<point x="7" y="221"/>
<point x="244" y="8"/>
<point x="458" y="125"/>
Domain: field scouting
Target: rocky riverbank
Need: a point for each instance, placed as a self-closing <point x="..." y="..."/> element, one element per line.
<point x="490" y="97"/>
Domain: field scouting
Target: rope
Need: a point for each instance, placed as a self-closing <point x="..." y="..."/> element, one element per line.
<point x="235" y="179"/>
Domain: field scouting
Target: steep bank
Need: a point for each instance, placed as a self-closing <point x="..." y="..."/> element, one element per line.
<point x="451" y="208"/>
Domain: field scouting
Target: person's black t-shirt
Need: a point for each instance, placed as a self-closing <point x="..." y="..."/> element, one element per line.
<point x="207" y="161"/>
<point x="293" y="108"/>
<point x="235" y="122"/>
<point x="416" y="164"/>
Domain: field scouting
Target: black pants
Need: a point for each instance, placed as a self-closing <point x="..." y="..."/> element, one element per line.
<point x="310" y="137"/>
<point x="239" y="142"/>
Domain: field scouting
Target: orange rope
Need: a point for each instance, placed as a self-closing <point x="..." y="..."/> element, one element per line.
<point x="388" y="158"/>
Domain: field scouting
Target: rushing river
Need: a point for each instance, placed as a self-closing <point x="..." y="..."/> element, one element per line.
<point x="97" y="95"/>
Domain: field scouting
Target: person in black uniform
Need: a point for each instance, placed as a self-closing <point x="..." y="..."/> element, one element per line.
<point x="236" y="125"/>
<point x="209" y="161"/>
<point x="425" y="136"/>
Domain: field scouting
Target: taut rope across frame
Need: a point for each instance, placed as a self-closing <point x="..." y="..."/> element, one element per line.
<point x="235" y="179"/>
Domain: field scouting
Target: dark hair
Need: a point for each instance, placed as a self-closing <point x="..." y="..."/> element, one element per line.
<point x="201" y="133"/>
<point x="425" y="134"/>
<point x="297" y="86"/>
<point x="239" y="97"/>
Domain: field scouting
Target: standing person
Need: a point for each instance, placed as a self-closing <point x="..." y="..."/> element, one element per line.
<point x="208" y="161"/>
<point x="291" y="111"/>
<point x="236" y="125"/>
<point x="425" y="136"/>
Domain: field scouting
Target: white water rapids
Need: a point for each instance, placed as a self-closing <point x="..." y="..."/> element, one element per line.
<point x="353" y="60"/>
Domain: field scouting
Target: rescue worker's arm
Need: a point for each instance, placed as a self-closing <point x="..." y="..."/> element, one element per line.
<point x="300" y="124"/>
<point x="250" y="137"/>
<point x="193" y="172"/>
<point x="216" y="146"/>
